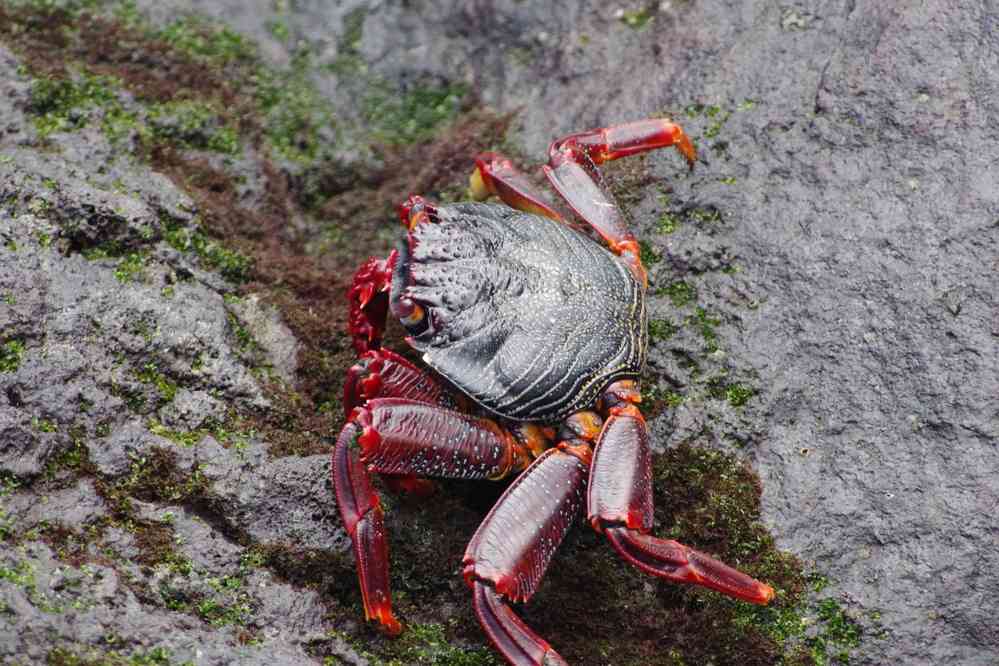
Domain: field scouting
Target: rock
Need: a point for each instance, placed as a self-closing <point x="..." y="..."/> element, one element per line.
<point x="277" y="344"/>
<point x="73" y="507"/>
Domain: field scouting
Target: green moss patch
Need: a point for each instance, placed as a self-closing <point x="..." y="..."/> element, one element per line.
<point x="60" y="105"/>
<point x="637" y="19"/>
<point x="413" y="116"/>
<point x="680" y="293"/>
<point x="66" y="656"/>
<point x="10" y="355"/>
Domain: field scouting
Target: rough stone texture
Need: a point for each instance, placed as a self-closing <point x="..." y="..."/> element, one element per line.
<point x="95" y="606"/>
<point x="851" y="267"/>
<point x="102" y="351"/>
<point x="278" y="346"/>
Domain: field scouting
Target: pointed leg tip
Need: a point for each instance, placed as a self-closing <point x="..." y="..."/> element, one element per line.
<point x="553" y="658"/>
<point x="392" y="626"/>
<point x="686" y="148"/>
<point x="387" y="622"/>
<point x="765" y="594"/>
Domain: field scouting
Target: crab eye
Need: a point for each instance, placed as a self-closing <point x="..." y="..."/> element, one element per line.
<point x="416" y="315"/>
<point x="413" y="317"/>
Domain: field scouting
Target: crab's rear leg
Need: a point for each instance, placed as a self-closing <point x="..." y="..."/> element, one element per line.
<point x="619" y="504"/>
<point x="508" y="556"/>
<point x="407" y="437"/>
<point x="571" y="169"/>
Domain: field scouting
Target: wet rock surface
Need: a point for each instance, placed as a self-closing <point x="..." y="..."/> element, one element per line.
<point x="824" y="307"/>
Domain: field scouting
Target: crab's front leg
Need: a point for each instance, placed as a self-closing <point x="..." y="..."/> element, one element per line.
<point x="407" y="437"/>
<point x="619" y="504"/>
<point x="369" y="293"/>
<point x="381" y="373"/>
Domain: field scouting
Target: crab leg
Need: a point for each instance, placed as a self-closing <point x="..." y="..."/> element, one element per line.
<point x="619" y="504"/>
<point x="510" y="552"/>
<point x="406" y="437"/>
<point x="617" y="141"/>
<point x="495" y="174"/>
<point x="571" y="169"/>
<point x="362" y="518"/>
<point x="382" y="373"/>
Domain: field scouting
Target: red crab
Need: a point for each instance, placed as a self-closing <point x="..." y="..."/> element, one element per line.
<point x="542" y="331"/>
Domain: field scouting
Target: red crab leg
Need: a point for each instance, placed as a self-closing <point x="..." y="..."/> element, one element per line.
<point x="495" y="174"/>
<point x="611" y="143"/>
<point x="382" y="373"/>
<point x="511" y="550"/>
<point x="398" y="436"/>
<point x="362" y="518"/>
<point x="619" y="504"/>
<point x="571" y="171"/>
<point x="403" y="436"/>
<point x="368" y="297"/>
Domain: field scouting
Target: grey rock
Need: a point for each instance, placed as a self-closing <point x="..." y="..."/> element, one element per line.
<point x="287" y="500"/>
<point x="191" y="410"/>
<point x="47" y="600"/>
<point x="72" y="507"/>
<point x="126" y="446"/>
<point x="277" y="344"/>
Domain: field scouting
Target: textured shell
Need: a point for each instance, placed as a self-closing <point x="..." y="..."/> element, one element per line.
<point x="527" y="316"/>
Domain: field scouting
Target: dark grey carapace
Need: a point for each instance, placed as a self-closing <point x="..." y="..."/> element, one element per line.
<point x="529" y="317"/>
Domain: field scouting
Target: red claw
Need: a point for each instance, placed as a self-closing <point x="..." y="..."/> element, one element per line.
<point x="368" y="298"/>
<point x="381" y="373"/>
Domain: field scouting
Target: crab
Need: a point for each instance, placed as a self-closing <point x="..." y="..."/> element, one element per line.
<point x="531" y="319"/>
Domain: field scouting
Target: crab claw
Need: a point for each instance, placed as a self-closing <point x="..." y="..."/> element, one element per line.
<point x="368" y="297"/>
<point x="363" y="381"/>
